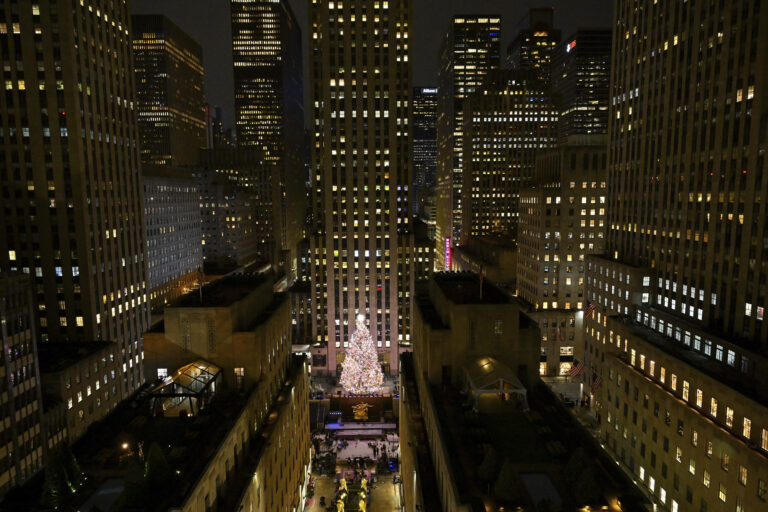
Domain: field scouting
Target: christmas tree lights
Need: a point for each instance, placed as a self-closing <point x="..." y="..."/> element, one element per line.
<point x="361" y="371"/>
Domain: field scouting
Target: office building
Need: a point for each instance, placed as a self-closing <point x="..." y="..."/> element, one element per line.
<point x="174" y="233"/>
<point x="85" y="377"/>
<point x="507" y="122"/>
<point x="475" y="349"/>
<point x="424" y="134"/>
<point x="213" y="431"/>
<point x="72" y="209"/>
<point x="170" y="87"/>
<point x="469" y="51"/>
<point x="581" y="81"/>
<point x="21" y="432"/>
<point x="235" y="232"/>
<point x="534" y="44"/>
<point x="269" y="106"/>
<point x="675" y="327"/>
<point x="361" y="172"/>
<point x="562" y="220"/>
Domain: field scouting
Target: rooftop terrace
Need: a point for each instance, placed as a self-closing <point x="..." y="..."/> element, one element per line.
<point x="540" y="447"/>
<point x="464" y="288"/>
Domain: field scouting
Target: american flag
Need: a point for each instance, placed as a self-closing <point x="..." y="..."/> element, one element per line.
<point x="596" y="384"/>
<point x="577" y="368"/>
<point x="590" y="310"/>
<point x="559" y="334"/>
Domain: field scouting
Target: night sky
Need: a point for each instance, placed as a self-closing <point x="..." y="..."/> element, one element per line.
<point x="207" y="21"/>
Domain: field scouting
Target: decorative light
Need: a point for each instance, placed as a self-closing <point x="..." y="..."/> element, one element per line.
<point x="361" y="371"/>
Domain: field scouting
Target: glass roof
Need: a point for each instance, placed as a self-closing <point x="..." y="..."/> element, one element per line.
<point x="191" y="378"/>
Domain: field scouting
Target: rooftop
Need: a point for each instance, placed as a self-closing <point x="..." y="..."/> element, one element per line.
<point x="55" y="356"/>
<point x="464" y="288"/>
<point x="534" y="443"/>
<point x="744" y="384"/>
<point x="221" y="293"/>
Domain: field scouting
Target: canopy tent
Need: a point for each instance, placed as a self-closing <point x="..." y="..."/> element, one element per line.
<point x="488" y="375"/>
<point x="189" y="389"/>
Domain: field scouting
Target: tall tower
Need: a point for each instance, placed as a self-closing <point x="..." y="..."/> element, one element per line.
<point x="534" y="44"/>
<point x="580" y="83"/>
<point x="269" y="105"/>
<point x="424" y="128"/>
<point x="361" y="171"/>
<point x="469" y="51"/>
<point x="677" y="314"/>
<point x="72" y="211"/>
<point x="169" y="90"/>
<point x="507" y="122"/>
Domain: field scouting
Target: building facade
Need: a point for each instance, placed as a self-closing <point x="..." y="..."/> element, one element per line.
<point x="424" y="134"/>
<point x="581" y="82"/>
<point x="170" y="87"/>
<point x="240" y="208"/>
<point x="361" y="173"/>
<point x="469" y="51"/>
<point x="676" y="333"/>
<point x="174" y="233"/>
<point x="86" y="378"/>
<point x="269" y="106"/>
<point x="21" y="433"/>
<point x="507" y="122"/>
<point x="70" y="172"/>
<point x="562" y="220"/>
<point x="534" y="44"/>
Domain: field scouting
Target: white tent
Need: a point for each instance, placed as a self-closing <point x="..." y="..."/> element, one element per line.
<point x="488" y="375"/>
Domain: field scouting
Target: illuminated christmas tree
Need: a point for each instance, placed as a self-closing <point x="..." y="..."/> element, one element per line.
<point x="361" y="371"/>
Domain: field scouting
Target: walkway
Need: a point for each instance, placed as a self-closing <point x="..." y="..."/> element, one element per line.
<point x="384" y="497"/>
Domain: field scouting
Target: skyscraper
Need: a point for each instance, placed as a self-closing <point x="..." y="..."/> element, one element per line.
<point x="507" y="122"/>
<point x="534" y="43"/>
<point x="169" y="91"/>
<point x="562" y="214"/>
<point x="174" y="232"/>
<point x="70" y="174"/>
<point x="21" y="430"/>
<point x="561" y="220"/>
<point x="269" y="103"/>
<point x="361" y="171"/>
<point x="469" y="51"/>
<point x="424" y="133"/>
<point x="676" y="327"/>
<point x="580" y="83"/>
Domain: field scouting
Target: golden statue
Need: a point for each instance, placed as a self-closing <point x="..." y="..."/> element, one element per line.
<point x="361" y="411"/>
<point x="364" y="484"/>
<point x="343" y="484"/>
<point x="340" y="506"/>
<point x="361" y="505"/>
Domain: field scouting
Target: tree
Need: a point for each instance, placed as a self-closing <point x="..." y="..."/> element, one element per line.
<point x="488" y="469"/>
<point x="578" y="461"/>
<point x="157" y="472"/>
<point x="68" y="460"/>
<point x="135" y="491"/>
<point x="56" y="489"/>
<point x="361" y="371"/>
<point x="586" y="490"/>
<point x="508" y="486"/>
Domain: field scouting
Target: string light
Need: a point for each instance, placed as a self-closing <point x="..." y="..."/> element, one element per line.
<point x="361" y="371"/>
